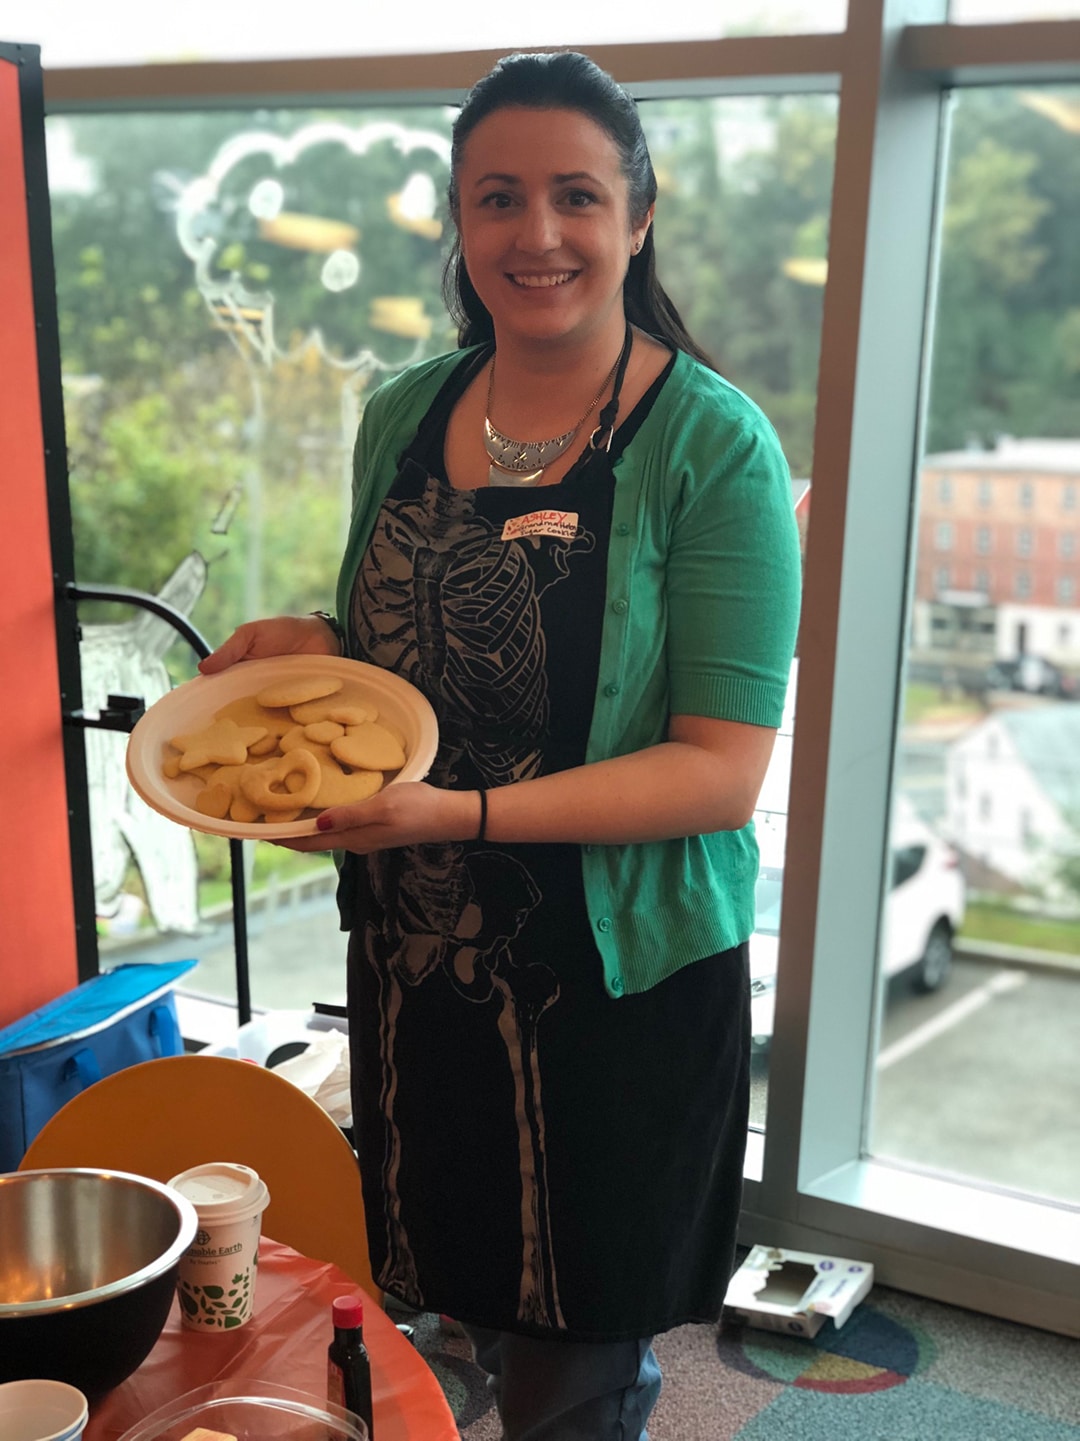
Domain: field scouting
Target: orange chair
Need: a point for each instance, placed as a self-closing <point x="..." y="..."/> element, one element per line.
<point x="160" y="1117"/>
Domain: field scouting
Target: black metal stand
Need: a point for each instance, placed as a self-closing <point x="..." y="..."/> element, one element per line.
<point x="121" y="714"/>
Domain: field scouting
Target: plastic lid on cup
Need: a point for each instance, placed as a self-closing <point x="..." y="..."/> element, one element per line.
<point x="223" y="1190"/>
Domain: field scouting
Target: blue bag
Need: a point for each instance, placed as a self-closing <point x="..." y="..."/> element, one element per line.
<point x="114" y="1020"/>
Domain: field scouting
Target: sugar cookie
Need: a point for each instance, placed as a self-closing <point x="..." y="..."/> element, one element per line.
<point x="214" y="800"/>
<point x="222" y="741"/>
<point x="296" y="691"/>
<point x="246" y="711"/>
<point x="323" y="732"/>
<point x="344" y="788"/>
<point x="267" y="786"/>
<point x="369" y="747"/>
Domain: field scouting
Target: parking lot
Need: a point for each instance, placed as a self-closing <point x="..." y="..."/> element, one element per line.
<point x="980" y="1079"/>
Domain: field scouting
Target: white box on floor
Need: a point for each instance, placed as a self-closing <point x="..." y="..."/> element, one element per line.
<point x="796" y="1291"/>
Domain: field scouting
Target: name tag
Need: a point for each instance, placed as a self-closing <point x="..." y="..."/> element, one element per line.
<point x="563" y="524"/>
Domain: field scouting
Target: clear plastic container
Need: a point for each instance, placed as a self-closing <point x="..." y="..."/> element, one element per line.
<point x="250" y="1411"/>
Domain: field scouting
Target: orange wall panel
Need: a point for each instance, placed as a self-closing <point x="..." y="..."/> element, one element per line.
<point x="37" y="918"/>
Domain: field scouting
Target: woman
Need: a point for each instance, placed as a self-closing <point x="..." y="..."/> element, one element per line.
<point x="548" y="989"/>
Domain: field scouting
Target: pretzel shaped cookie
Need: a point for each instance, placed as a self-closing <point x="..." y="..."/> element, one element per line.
<point x="288" y="783"/>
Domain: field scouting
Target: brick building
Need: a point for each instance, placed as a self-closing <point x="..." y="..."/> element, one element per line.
<point x="998" y="557"/>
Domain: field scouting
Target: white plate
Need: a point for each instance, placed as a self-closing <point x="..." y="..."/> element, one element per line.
<point x="192" y="705"/>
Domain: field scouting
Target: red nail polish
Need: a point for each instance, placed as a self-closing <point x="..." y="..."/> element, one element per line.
<point x="323" y="823"/>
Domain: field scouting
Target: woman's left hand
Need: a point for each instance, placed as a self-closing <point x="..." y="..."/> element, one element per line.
<point x="407" y="814"/>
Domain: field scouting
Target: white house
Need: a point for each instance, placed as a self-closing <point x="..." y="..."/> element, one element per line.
<point x="1012" y="792"/>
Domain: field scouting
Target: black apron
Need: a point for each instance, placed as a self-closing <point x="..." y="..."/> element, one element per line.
<point x="536" y="1156"/>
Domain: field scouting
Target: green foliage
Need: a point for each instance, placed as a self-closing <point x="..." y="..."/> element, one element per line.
<point x="146" y="475"/>
<point x="175" y="421"/>
<point x="1008" y="926"/>
<point x="745" y="185"/>
<point x="1005" y="351"/>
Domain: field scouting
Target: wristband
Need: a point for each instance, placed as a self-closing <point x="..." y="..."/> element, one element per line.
<point x="336" y="627"/>
<point x="481" y="834"/>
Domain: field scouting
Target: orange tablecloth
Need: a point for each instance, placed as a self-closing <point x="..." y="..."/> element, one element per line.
<point x="285" y="1342"/>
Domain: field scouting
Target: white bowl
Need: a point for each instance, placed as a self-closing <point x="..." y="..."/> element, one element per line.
<point x="42" y="1411"/>
<point x="192" y="705"/>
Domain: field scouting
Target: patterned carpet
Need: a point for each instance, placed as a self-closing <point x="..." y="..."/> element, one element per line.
<point x="902" y="1369"/>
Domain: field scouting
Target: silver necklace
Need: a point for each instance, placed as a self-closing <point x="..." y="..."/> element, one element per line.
<point x="523" y="462"/>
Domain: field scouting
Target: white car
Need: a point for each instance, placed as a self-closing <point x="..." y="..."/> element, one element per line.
<point x="923" y="910"/>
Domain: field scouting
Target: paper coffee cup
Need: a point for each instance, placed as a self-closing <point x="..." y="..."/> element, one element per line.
<point x="216" y="1280"/>
<point x="41" y="1411"/>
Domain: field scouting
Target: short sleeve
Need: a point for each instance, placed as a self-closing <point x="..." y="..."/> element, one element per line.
<point x="734" y="579"/>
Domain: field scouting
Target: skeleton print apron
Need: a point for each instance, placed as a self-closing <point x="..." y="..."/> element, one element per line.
<point x="536" y="1156"/>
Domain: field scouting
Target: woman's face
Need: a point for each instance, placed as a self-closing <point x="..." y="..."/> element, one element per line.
<point x="545" y="226"/>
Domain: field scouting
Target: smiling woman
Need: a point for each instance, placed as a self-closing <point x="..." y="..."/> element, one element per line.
<point x="547" y="961"/>
<point x="547" y="249"/>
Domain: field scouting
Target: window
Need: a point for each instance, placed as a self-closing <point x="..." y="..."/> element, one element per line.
<point x="997" y="779"/>
<point x="213" y="412"/>
<point x="943" y="582"/>
<point x="870" y="1140"/>
<point x="1068" y="496"/>
<point x="982" y="583"/>
<point x="945" y="490"/>
<point x="943" y="535"/>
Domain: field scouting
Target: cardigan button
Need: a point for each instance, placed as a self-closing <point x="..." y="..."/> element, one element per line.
<point x="604" y="923"/>
<point x="611" y="689"/>
<point x="620" y="607"/>
<point x="622" y="528"/>
<point x="616" y="985"/>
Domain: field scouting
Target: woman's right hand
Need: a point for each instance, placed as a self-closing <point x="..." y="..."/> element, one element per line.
<point x="279" y="635"/>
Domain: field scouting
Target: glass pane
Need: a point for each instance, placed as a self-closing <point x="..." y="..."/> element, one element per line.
<point x="742" y="234"/>
<point x="989" y="12"/>
<point x="230" y="287"/>
<point x="70" y="34"/>
<point x="978" y="1071"/>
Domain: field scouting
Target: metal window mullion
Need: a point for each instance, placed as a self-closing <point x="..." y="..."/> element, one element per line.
<point x="854" y="600"/>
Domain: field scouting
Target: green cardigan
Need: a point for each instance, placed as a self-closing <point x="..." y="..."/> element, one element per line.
<point x="703" y="585"/>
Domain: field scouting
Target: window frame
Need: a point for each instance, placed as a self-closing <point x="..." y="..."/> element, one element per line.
<point x="811" y="1182"/>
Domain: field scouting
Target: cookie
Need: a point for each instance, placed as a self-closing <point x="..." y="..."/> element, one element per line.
<point x="222" y="742"/>
<point x="369" y="747"/>
<point x="296" y="691"/>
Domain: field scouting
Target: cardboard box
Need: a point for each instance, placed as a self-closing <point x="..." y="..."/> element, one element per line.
<point x="796" y="1291"/>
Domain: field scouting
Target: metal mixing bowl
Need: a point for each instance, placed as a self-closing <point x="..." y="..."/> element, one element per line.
<point x="88" y="1263"/>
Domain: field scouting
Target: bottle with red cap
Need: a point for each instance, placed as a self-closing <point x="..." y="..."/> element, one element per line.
<point x="348" y="1364"/>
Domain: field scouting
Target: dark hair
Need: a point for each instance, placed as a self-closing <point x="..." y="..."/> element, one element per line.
<point x="565" y="80"/>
